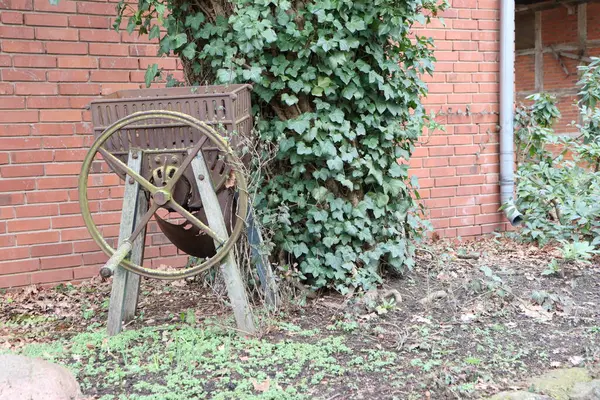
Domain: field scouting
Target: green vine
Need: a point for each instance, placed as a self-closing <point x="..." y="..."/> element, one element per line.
<point x="337" y="85"/>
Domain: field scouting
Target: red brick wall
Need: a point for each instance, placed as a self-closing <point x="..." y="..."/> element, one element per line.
<point x="559" y="27"/>
<point x="54" y="60"/>
<point x="458" y="167"/>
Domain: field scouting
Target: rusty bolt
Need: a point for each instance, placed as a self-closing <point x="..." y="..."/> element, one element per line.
<point x="135" y="155"/>
<point x="174" y="160"/>
<point x="131" y="181"/>
<point x="157" y="159"/>
<point x="201" y="177"/>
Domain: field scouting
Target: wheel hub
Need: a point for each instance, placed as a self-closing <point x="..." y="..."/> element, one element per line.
<point x="161" y="197"/>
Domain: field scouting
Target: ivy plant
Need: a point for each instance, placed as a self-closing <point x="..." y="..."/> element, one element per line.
<point x="337" y="84"/>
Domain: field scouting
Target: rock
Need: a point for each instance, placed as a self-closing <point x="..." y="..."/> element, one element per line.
<point x="519" y="395"/>
<point x="586" y="391"/>
<point x="558" y="383"/>
<point x="24" y="378"/>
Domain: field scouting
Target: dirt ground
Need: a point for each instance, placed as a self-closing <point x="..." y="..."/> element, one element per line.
<point x="474" y="319"/>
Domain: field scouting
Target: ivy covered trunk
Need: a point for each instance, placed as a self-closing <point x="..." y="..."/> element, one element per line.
<point x="337" y="85"/>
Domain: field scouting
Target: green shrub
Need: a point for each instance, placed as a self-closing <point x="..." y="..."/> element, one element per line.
<point x="559" y="194"/>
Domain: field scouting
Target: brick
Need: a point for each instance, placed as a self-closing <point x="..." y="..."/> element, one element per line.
<point x="70" y="155"/>
<point x="85" y="272"/>
<point x="5" y="61"/>
<point x="74" y="89"/>
<point x="16" y="32"/>
<point x="94" y="258"/>
<point x="11" y="18"/>
<point x="12" y="103"/>
<point x="63" y="35"/>
<point x="6" y="88"/>
<point x="17" y="116"/>
<point x="4" y="159"/>
<point x="63" y="169"/>
<point x="64" y="6"/>
<point x="96" y="35"/>
<point x="468" y="231"/>
<point x="60" y="115"/>
<point x="46" y="20"/>
<point x="104" y="49"/>
<point x="17" y="185"/>
<point x="37" y="210"/>
<point x="80" y="102"/>
<point x="47" y="196"/>
<point x="40" y="61"/>
<point x="23" y="74"/>
<point x="19" y="143"/>
<point x="143" y="50"/>
<point x="66" y="48"/>
<point x="17" y="4"/>
<point x="114" y="87"/>
<point x="442" y="192"/>
<point x="7" y="240"/>
<point x="24" y="239"/>
<point x="59" y="182"/>
<point x="18" y="266"/>
<point x="450" y="181"/>
<point x="74" y="234"/>
<point x="22" y="225"/>
<point x="47" y="102"/>
<point x="55" y="249"/>
<point x="52" y="129"/>
<point x="96" y="8"/>
<point x="56" y="276"/>
<point x="118" y="63"/>
<point x="110" y="76"/>
<point x="442" y="171"/>
<point x="87" y="21"/>
<point x="19" y="171"/>
<point x="13" y="281"/>
<point x="77" y="62"/>
<point x="62" y="142"/>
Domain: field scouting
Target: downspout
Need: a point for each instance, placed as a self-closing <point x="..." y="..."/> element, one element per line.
<point x="507" y="94"/>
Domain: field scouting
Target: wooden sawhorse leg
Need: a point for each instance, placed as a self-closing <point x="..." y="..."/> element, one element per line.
<point x="126" y="285"/>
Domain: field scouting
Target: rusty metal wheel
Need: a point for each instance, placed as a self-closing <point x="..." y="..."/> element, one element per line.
<point x="164" y="196"/>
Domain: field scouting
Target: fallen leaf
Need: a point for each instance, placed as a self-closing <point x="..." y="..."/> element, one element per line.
<point x="576" y="360"/>
<point x="230" y="180"/>
<point x="555" y="364"/>
<point x="261" y="386"/>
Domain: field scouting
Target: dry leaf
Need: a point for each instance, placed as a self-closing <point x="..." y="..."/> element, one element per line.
<point x="576" y="360"/>
<point x="261" y="386"/>
<point x="230" y="182"/>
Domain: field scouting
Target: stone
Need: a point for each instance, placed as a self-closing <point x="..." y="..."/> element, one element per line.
<point x="519" y="395"/>
<point x="586" y="390"/>
<point x="558" y="383"/>
<point x="24" y="378"/>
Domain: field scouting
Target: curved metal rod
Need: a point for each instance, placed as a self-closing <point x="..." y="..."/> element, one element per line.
<point x="124" y="168"/>
<point x="190" y="217"/>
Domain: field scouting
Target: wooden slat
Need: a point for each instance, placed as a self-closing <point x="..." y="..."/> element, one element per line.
<point x="231" y="273"/>
<point x="582" y="28"/>
<point x="121" y="276"/>
<point x="539" y="53"/>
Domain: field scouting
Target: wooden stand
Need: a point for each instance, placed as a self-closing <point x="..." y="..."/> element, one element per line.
<point x="126" y="285"/>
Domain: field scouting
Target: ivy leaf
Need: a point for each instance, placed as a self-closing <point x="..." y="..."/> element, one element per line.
<point x="269" y="35"/>
<point x="335" y="164"/>
<point x="154" y="32"/>
<point x="289" y="99"/>
<point x="252" y="74"/>
<point x="299" y="125"/>
<point x="179" y="40"/>
<point x="151" y="73"/>
<point x="194" y="21"/>
<point x="190" y="51"/>
<point x="356" y="24"/>
<point x="396" y="170"/>
<point x="300" y="249"/>
<point x="337" y="115"/>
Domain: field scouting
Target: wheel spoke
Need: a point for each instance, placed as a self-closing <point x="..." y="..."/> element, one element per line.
<point x="124" y="168"/>
<point x="184" y="164"/>
<point x="143" y="222"/>
<point x="195" y="221"/>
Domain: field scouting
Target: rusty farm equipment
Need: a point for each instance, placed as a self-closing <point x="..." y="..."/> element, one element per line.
<point x="175" y="151"/>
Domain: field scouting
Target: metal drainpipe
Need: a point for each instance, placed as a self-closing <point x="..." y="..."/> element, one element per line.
<point x="507" y="92"/>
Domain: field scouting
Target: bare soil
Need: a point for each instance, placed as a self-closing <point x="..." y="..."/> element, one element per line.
<point x="492" y="320"/>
